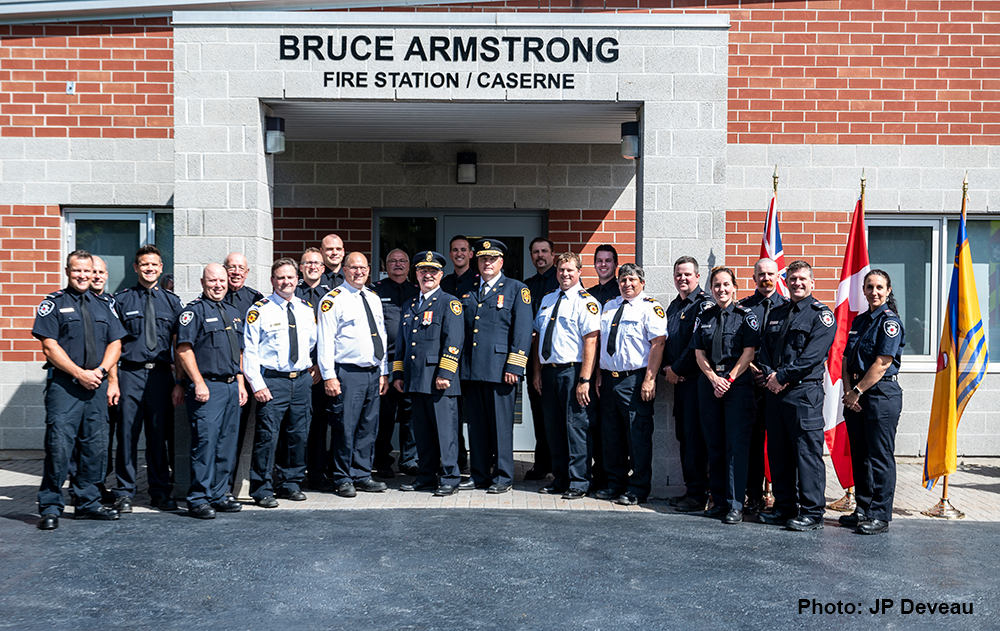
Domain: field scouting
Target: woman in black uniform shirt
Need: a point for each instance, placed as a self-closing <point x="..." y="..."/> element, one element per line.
<point x="725" y="337"/>
<point x="872" y="403"/>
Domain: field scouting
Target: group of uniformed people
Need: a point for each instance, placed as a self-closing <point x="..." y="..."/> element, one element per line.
<point x="325" y="356"/>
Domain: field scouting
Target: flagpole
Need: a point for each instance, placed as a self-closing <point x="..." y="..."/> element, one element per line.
<point x="944" y="509"/>
<point x="775" y="179"/>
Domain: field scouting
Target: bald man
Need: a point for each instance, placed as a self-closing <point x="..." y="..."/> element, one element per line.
<point x="332" y="248"/>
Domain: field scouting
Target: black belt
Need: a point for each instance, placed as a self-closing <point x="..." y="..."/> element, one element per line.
<point x="353" y="368"/>
<point x="227" y="379"/>
<point x="569" y="365"/>
<point x="621" y="374"/>
<point x="144" y="366"/>
<point x="284" y="375"/>
<point x="857" y="378"/>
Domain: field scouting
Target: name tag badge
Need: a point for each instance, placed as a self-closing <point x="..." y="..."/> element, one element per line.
<point x="67" y="310"/>
<point x="499" y="301"/>
<point x="211" y="319"/>
<point x="428" y="317"/>
<point x="128" y="313"/>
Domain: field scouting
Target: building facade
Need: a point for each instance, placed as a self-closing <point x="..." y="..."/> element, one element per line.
<point x="118" y="130"/>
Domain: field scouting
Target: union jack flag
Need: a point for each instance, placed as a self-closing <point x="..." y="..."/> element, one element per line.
<point x="770" y="247"/>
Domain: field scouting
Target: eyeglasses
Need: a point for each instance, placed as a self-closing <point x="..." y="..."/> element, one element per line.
<point x="358" y="268"/>
<point x="238" y="268"/>
<point x="312" y="264"/>
<point x="397" y="262"/>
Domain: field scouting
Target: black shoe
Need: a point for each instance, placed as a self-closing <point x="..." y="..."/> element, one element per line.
<point x="853" y="520"/>
<point x="100" y="514"/>
<point x="266" y="502"/>
<point x="733" y="517"/>
<point x="752" y="507"/>
<point x="690" y="505"/>
<point x="409" y="470"/>
<point x="48" y="521"/>
<point x="535" y="474"/>
<point x="677" y="499"/>
<point x="551" y="490"/>
<point x="445" y="490"/>
<point x="467" y="485"/>
<point x="773" y="519"/>
<point x="803" y="523"/>
<point x="385" y="474"/>
<point x="497" y="489"/>
<point x="574" y="494"/>
<point x="202" y="511"/>
<point x="227" y="506"/>
<point x="123" y="504"/>
<point x="370" y="486"/>
<point x="608" y="494"/>
<point x="628" y="499"/>
<point x="717" y="512"/>
<point x="423" y="486"/>
<point x="323" y="486"/>
<point x="295" y="496"/>
<point x="163" y="503"/>
<point x="872" y="527"/>
<point x="346" y="489"/>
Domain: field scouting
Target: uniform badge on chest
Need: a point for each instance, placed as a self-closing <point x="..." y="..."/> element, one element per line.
<point x="499" y="301"/>
<point x="428" y="317"/>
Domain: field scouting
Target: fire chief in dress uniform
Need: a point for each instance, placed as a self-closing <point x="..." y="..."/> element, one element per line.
<point x="430" y="338"/>
<point x="497" y="342"/>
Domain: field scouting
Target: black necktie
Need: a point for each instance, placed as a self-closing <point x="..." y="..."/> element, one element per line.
<point x="376" y="340"/>
<point x="483" y="291"/>
<point x="779" y="342"/>
<point x="234" y="345"/>
<point x="293" y="337"/>
<point x="420" y="306"/>
<point x="720" y="325"/>
<point x="149" y="321"/>
<point x="612" y="339"/>
<point x="767" y="312"/>
<point x="90" y="358"/>
<point x="551" y="329"/>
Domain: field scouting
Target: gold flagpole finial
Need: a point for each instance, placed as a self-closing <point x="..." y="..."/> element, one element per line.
<point x="776" y="178"/>
<point x="863" y="180"/>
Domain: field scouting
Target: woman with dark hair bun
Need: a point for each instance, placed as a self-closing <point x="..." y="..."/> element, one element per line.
<point x="725" y="338"/>
<point x="872" y="403"/>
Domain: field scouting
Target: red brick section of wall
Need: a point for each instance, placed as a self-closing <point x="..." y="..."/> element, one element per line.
<point x="842" y="71"/>
<point x="29" y="269"/>
<point x="578" y="230"/>
<point x="123" y="71"/>
<point x="819" y="238"/>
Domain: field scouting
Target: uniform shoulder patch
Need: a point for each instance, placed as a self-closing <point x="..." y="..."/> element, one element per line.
<point x="456" y="307"/>
<point x="826" y="317"/>
<point x="751" y="321"/>
<point x="592" y="307"/>
<point x="186" y="318"/>
<point x="658" y="310"/>
<point x="252" y="316"/>
<point x="891" y="328"/>
<point x="326" y="305"/>
<point x="705" y="306"/>
<point x="525" y="295"/>
<point x="46" y="308"/>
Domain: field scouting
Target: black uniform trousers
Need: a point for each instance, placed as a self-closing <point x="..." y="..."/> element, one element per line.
<point x="687" y="429"/>
<point x="74" y="418"/>
<point x="756" y="476"/>
<point x="214" y="424"/>
<point x="292" y="400"/>
<point x="627" y="430"/>
<point x="795" y="449"/>
<point x="727" y="424"/>
<point x="145" y="407"/>
<point x="318" y="444"/>
<point x="543" y="455"/>
<point x="567" y="427"/>
<point x="872" y="433"/>
<point x="395" y="407"/>
<point x="114" y="418"/>
<point x="354" y="417"/>
<point x="435" y="428"/>
<point x="490" y="409"/>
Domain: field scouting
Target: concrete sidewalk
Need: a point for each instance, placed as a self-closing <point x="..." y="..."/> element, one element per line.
<point x="974" y="489"/>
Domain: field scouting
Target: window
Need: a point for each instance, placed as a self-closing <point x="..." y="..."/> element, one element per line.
<point x="116" y="235"/>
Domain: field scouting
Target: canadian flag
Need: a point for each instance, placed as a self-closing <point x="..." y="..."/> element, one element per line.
<point x="850" y="301"/>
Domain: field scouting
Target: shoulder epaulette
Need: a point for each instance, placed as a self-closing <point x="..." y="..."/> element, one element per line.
<point x="106" y="297"/>
<point x="648" y="299"/>
<point x="197" y="299"/>
<point x="742" y="309"/>
<point x="260" y="303"/>
<point x="584" y="294"/>
<point x="705" y="306"/>
<point x="123" y="291"/>
<point x="169" y="291"/>
<point x="890" y="312"/>
<point x="818" y="306"/>
<point x="56" y="293"/>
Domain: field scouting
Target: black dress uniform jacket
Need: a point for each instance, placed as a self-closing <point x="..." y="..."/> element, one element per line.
<point x="681" y="315"/>
<point x="807" y="341"/>
<point x="242" y="298"/>
<point x="499" y="329"/>
<point x="458" y="285"/>
<point x="130" y="304"/>
<point x="430" y="343"/>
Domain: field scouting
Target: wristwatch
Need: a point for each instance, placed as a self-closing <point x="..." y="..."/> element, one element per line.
<point x="104" y="372"/>
<point x="857" y="390"/>
<point x="582" y="380"/>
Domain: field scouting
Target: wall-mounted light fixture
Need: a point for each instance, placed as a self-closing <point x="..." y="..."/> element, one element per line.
<point x="466" y="168"/>
<point x="274" y="134"/>
<point x="630" y="140"/>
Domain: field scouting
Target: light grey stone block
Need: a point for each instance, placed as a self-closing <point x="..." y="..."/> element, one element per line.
<point x="426" y="174"/>
<point x="132" y="194"/>
<point x="611" y="198"/>
<point x="589" y="176"/>
<point x="45" y="193"/>
<point x="671" y="60"/>
<point x="26" y="171"/>
<point x="333" y="174"/>
<point x="922" y="156"/>
<point x="91" y="193"/>
<point x="492" y="197"/>
<point x="517" y="175"/>
<point x="569" y="198"/>
<point x="359" y="196"/>
<point x="448" y="196"/>
<point x="117" y="171"/>
<point x="47" y="148"/>
<point x="306" y="195"/>
<point x="352" y="152"/>
<point x="12" y="148"/>
<point x="303" y="173"/>
<point x="382" y="174"/>
<point x="623" y="175"/>
<point x="530" y="197"/>
<point x="403" y="196"/>
<point x="699" y="87"/>
<point x="636" y="87"/>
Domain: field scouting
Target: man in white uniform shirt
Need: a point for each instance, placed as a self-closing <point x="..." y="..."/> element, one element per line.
<point x="633" y="330"/>
<point x="352" y="361"/>
<point x="567" y="323"/>
<point x="279" y="337"/>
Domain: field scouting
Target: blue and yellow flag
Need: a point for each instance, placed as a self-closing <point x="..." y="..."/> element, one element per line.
<point x="962" y="362"/>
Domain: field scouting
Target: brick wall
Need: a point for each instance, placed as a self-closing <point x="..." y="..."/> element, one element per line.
<point x="29" y="269"/>
<point x="581" y="231"/>
<point x="296" y="229"/>
<point x="123" y="71"/>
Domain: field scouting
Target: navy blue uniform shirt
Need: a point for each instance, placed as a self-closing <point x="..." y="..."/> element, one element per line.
<point x="243" y="298"/>
<point x="740" y="330"/>
<point x="757" y="303"/>
<point x="681" y="315"/>
<point x="130" y="304"/>
<point x="458" y="285"/>
<point x="541" y="284"/>
<point x="204" y="328"/>
<point x="605" y="292"/>
<point x="312" y="295"/>
<point x="333" y="279"/>
<point x="807" y="341"/>
<point x="874" y="333"/>
<point x="58" y="317"/>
